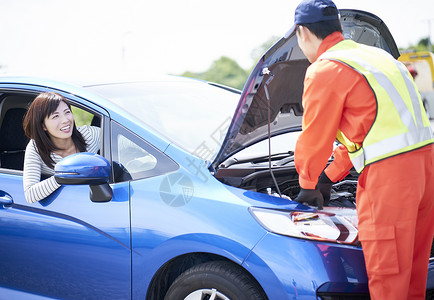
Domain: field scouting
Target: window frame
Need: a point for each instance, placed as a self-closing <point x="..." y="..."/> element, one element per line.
<point x="164" y="163"/>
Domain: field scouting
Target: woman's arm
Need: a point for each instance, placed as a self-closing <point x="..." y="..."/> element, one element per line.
<point x="34" y="188"/>
<point x="92" y="136"/>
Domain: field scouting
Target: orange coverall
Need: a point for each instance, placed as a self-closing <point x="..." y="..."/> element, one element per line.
<point x="395" y="196"/>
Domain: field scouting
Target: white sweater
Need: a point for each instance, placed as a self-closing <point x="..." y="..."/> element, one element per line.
<point x="34" y="166"/>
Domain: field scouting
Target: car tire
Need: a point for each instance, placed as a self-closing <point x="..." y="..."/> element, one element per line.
<point x="218" y="280"/>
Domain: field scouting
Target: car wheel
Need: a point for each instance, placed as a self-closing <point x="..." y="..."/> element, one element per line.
<point x="215" y="280"/>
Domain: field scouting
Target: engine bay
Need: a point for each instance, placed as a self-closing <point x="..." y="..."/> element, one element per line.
<point x="253" y="174"/>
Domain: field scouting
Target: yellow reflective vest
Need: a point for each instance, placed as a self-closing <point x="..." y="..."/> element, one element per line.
<point x="401" y="123"/>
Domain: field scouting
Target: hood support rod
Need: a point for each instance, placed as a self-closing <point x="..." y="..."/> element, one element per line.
<point x="266" y="71"/>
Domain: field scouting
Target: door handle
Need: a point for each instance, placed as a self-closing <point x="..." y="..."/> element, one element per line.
<point x="5" y="199"/>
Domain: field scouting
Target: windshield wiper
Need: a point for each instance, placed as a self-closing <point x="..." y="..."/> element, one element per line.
<point x="285" y="160"/>
<point x="256" y="160"/>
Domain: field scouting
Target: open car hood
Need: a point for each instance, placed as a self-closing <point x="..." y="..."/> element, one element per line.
<point x="274" y="89"/>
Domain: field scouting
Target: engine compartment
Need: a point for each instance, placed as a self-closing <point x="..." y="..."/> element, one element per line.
<point x="254" y="175"/>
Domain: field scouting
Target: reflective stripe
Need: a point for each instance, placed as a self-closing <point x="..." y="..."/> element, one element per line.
<point x="416" y="135"/>
<point x="414" y="96"/>
<point x="396" y="143"/>
<point x="358" y="160"/>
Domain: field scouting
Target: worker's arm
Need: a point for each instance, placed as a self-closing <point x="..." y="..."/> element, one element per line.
<point x="323" y="103"/>
<point x="340" y="166"/>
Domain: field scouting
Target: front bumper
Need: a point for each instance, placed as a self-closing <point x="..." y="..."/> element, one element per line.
<point x="301" y="267"/>
<point x="304" y="269"/>
<point x="343" y="290"/>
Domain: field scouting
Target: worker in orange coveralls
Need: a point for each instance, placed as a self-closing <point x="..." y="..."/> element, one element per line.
<point x="367" y="100"/>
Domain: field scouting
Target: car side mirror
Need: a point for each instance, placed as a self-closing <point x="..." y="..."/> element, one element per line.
<point x="86" y="169"/>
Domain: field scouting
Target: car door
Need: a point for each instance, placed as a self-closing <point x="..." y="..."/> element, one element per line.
<point x="64" y="246"/>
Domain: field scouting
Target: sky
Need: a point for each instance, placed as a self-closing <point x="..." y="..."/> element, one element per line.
<point x="61" y="38"/>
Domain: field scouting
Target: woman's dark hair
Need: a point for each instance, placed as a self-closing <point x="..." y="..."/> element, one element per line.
<point x="42" y="107"/>
<point x="324" y="28"/>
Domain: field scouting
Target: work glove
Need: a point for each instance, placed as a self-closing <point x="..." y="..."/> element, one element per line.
<point x="311" y="197"/>
<point x="325" y="187"/>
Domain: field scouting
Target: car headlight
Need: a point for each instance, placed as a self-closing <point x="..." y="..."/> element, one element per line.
<point x="320" y="226"/>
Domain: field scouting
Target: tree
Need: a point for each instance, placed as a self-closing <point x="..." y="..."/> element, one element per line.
<point x="422" y="45"/>
<point x="225" y="71"/>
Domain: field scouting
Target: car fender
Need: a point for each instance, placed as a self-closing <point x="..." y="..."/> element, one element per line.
<point x="194" y="248"/>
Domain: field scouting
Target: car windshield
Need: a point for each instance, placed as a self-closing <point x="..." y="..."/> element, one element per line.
<point x="193" y="114"/>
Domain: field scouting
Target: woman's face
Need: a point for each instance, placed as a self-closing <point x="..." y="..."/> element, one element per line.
<point x="60" y="123"/>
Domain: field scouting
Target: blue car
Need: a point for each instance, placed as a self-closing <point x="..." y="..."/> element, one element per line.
<point x="189" y="196"/>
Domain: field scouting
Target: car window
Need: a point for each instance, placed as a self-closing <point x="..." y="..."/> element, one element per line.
<point x="175" y="109"/>
<point x="13" y="142"/>
<point x="133" y="158"/>
<point x="81" y="116"/>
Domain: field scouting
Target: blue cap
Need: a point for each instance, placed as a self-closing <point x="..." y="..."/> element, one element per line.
<point x="312" y="11"/>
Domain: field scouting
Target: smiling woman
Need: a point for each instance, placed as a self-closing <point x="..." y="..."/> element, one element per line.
<point x="49" y="123"/>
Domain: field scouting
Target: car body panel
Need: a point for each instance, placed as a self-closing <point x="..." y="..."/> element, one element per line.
<point x="49" y="247"/>
<point x="178" y="229"/>
<point x="193" y="221"/>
